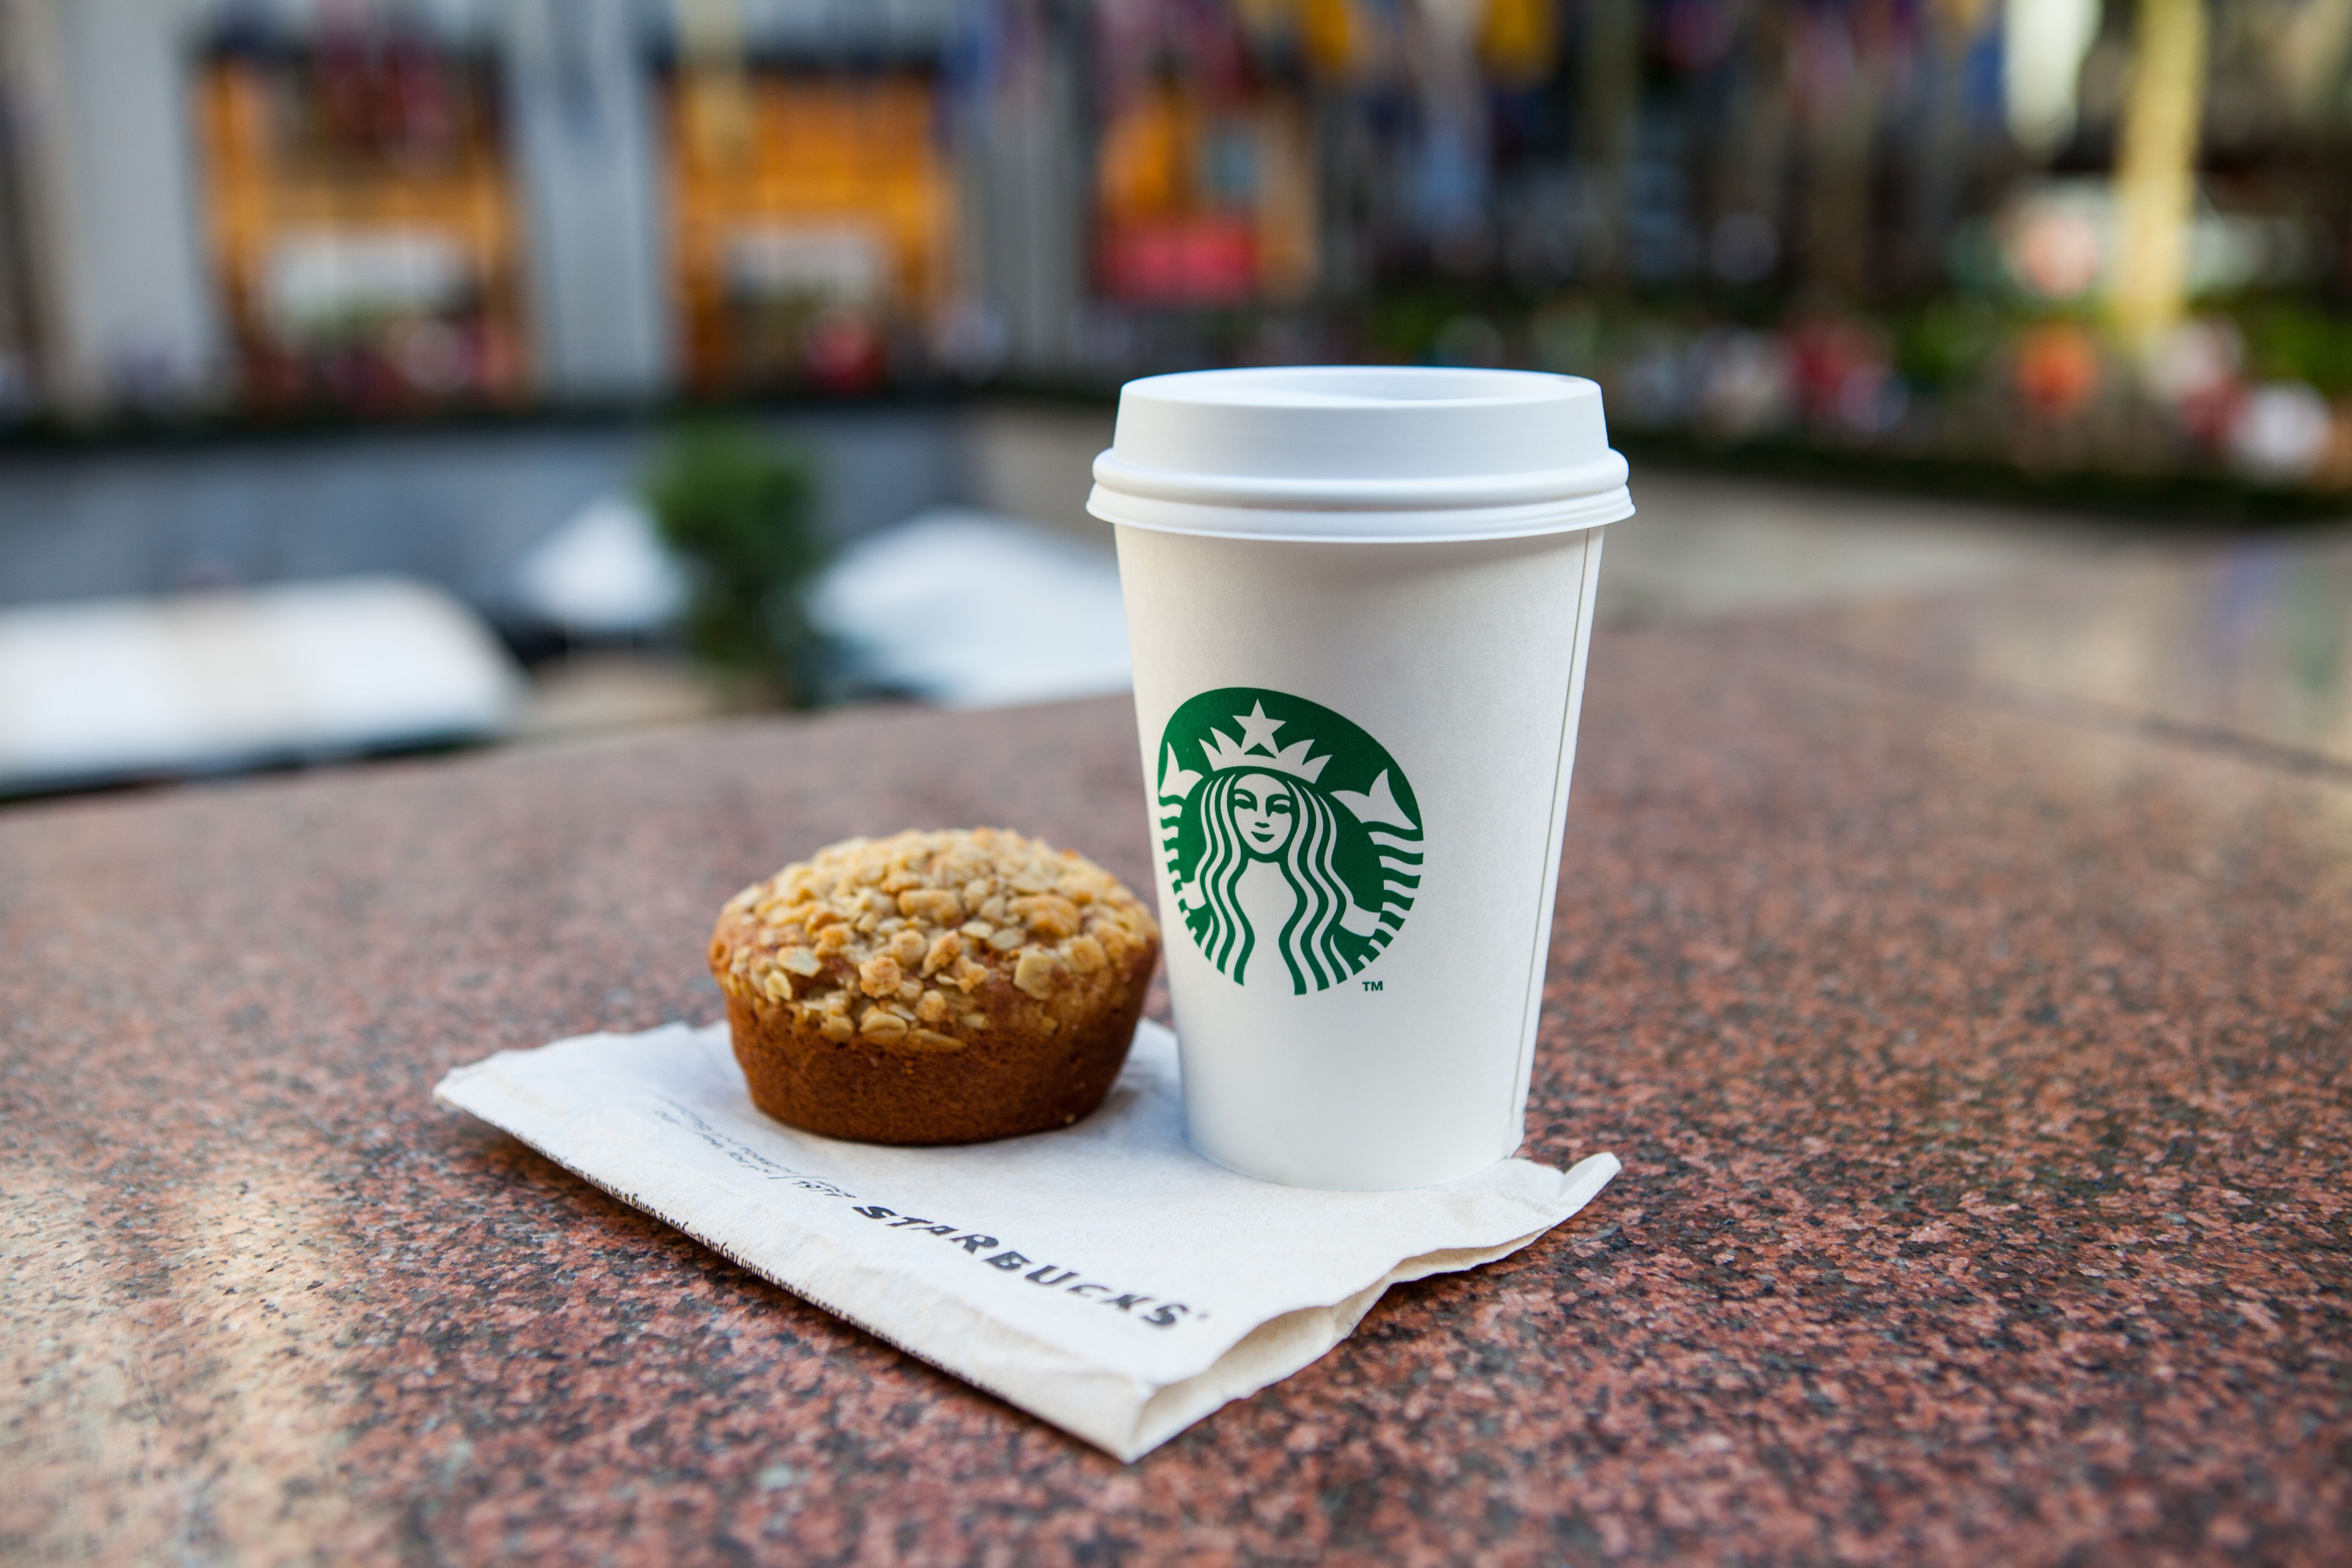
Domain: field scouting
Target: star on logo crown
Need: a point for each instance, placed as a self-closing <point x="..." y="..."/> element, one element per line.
<point x="1223" y="752"/>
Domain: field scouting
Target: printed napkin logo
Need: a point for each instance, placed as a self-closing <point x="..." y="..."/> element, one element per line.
<point x="1293" y="839"/>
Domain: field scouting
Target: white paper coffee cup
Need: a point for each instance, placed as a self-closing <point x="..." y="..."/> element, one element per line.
<point x="1359" y="600"/>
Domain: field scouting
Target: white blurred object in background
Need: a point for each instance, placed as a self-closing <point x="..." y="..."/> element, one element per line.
<point x="604" y="573"/>
<point x="321" y="279"/>
<point x="2282" y="432"/>
<point x="972" y="610"/>
<point x="2044" y="44"/>
<point x="2197" y="360"/>
<point x="108" y="689"/>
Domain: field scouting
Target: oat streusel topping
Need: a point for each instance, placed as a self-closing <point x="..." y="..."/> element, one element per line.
<point x="920" y="942"/>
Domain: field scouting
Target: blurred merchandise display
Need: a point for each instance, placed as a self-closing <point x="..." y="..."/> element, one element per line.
<point x="814" y="217"/>
<point x="2042" y="237"/>
<point x="1956" y="383"/>
<point x="1204" y="187"/>
<point x="362" y="217"/>
<point x="810" y="197"/>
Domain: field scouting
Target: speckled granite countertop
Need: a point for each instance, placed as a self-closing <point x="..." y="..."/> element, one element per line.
<point x="1983" y="1080"/>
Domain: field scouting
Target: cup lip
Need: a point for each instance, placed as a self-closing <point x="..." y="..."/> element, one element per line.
<point x="1351" y="508"/>
<point x="1361" y="525"/>
<point x="1598" y="477"/>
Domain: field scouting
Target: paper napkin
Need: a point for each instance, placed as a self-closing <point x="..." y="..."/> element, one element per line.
<point x="1103" y="1276"/>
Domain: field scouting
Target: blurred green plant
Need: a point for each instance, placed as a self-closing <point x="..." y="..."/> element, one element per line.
<point x="1402" y="325"/>
<point x="739" y="508"/>
<point x="1944" y="346"/>
<point x="2289" y="340"/>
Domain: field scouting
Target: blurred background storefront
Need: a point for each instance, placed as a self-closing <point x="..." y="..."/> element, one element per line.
<point x="360" y="216"/>
<point x="2061" y="233"/>
<point x="295" y="288"/>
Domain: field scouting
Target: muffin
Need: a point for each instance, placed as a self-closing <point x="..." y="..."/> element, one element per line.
<point x="933" y="987"/>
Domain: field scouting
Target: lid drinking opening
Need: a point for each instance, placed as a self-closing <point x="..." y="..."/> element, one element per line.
<point x="1343" y="386"/>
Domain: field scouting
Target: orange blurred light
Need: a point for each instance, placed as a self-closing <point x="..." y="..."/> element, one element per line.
<point x="2056" y="367"/>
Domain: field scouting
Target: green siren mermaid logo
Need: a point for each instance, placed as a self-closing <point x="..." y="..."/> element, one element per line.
<point x="1293" y="839"/>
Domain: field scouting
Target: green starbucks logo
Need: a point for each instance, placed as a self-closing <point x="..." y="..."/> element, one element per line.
<point x="1293" y="839"/>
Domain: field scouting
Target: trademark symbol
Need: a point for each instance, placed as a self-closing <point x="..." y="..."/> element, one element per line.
<point x="1371" y="985"/>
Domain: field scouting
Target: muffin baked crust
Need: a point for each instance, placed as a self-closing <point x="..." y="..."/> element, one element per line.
<point x="934" y="987"/>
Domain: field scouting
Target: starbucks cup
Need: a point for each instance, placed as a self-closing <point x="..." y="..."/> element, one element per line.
<point x="1359" y="600"/>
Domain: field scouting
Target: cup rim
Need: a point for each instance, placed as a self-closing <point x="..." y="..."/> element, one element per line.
<point x="1358" y="525"/>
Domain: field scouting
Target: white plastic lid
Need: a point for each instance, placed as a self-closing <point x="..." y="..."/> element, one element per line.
<point x="1361" y="454"/>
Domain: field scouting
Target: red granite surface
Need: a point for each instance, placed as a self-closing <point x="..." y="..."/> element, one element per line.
<point x="1981" y="1082"/>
